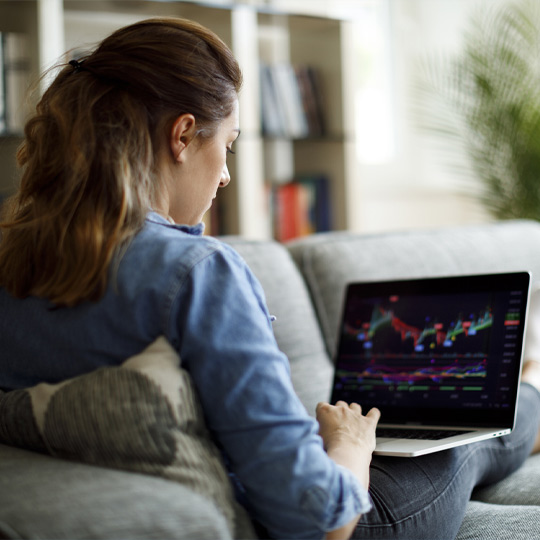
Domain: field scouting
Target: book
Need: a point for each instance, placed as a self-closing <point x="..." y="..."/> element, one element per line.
<point x="286" y="212"/>
<point x="291" y="101"/>
<point x="289" y="95"/>
<point x="320" y="208"/>
<point x="301" y="207"/>
<point x="272" y="113"/>
<point x="312" y="99"/>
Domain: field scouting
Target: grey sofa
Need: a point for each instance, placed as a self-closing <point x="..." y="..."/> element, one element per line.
<point x="46" y="497"/>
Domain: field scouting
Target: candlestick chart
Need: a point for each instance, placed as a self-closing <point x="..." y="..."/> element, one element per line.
<point x="399" y="344"/>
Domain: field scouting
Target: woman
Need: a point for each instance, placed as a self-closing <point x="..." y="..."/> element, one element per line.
<point x="101" y="252"/>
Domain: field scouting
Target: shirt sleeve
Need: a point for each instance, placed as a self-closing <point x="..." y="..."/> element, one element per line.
<point x="221" y="327"/>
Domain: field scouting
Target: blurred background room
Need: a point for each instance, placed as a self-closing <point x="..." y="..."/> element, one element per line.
<point x="360" y="115"/>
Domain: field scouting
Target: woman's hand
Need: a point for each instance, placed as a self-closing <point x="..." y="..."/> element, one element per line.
<point x="345" y="425"/>
<point x="349" y="440"/>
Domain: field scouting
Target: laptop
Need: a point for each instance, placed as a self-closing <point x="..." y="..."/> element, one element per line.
<point x="440" y="357"/>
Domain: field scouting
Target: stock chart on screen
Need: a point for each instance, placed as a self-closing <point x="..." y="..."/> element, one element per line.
<point x="441" y="347"/>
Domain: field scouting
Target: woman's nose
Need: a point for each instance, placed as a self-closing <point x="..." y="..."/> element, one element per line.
<point x="225" y="177"/>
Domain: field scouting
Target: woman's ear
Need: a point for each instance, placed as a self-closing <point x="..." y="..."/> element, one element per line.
<point x="182" y="133"/>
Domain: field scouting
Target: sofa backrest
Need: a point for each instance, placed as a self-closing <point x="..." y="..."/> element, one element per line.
<point x="329" y="261"/>
<point x="304" y="280"/>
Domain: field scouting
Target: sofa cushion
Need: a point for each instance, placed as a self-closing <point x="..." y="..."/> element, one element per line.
<point x="296" y="328"/>
<point x="142" y="416"/>
<point x="522" y="487"/>
<point x="329" y="261"/>
<point x="499" y="522"/>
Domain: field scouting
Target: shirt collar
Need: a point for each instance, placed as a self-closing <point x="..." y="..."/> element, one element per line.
<point x="195" y="230"/>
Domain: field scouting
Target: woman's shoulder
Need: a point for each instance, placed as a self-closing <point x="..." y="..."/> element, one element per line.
<point x="163" y="245"/>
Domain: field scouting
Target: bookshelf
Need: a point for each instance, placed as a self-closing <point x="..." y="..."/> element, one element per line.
<point x="257" y="35"/>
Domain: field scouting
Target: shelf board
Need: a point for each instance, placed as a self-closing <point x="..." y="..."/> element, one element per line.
<point x="320" y="139"/>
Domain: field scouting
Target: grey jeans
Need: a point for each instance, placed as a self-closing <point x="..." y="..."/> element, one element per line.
<point x="426" y="497"/>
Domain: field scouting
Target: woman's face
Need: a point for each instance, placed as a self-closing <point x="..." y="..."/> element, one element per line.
<point x="200" y="170"/>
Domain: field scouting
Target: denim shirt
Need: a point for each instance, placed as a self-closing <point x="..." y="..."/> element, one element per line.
<point x="198" y="293"/>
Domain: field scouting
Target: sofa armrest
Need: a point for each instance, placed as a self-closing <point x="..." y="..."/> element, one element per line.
<point x="46" y="497"/>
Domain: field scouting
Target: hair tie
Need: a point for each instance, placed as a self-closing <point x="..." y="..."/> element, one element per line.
<point x="77" y="66"/>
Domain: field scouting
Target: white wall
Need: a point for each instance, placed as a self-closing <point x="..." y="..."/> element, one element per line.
<point x="410" y="184"/>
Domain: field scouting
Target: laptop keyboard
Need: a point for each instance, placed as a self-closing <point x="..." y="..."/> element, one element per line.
<point x="425" y="434"/>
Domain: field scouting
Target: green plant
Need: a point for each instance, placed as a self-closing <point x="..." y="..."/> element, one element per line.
<point x="487" y="99"/>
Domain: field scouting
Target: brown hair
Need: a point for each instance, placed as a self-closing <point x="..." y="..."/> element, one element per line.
<point x="88" y="155"/>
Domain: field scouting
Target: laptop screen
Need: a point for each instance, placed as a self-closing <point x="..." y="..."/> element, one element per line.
<point x="443" y="351"/>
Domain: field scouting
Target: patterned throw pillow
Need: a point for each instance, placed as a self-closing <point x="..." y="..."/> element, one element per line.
<point x="142" y="416"/>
